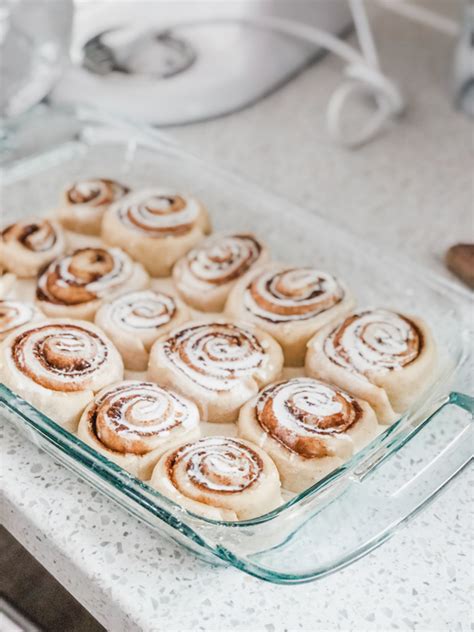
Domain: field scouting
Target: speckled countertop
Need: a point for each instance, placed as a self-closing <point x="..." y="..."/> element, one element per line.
<point x="412" y="190"/>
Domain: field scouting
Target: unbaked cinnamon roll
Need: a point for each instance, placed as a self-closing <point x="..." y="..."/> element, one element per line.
<point x="133" y="423"/>
<point x="134" y="320"/>
<point x="58" y="366"/>
<point x="74" y="285"/>
<point x="218" y="364"/>
<point x="7" y="281"/>
<point x="28" y="245"/>
<point x="290" y="303"/>
<point x="220" y="478"/>
<point x="85" y="202"/>
<point x="14" y="314"/>
<point x="308" y="427"/>
<point x="207" y="273"/>
<point x="378" y="355"/>
<point x="156" y="227"/>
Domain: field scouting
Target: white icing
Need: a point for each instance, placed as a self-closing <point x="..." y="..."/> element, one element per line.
<point x="220" y="464"/>
<point x="144" y="408"/>
<point x="219" y="258"/>
<point x="66" y="342"/>
<point x="121" y="272"/>
<point x="375" y="340"/>
<point x="310" y="397"/>
<point x="293" y="288"/>
<point x="44" y="238"/>
<point x="14" y="314"/>
<point x="140" y="312"/>
<point x="210" y="359"/>
<point x="96" y="192"/>
<point x="148" y="211"/>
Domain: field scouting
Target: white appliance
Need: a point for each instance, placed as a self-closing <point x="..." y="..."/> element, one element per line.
<point x="171" y="62"/>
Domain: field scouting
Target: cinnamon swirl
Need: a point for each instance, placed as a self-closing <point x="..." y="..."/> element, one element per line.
<point x="14" y="314"/>
<point x="74" y="285"/>
<point x="85" y="202"/>
<point x="308" y="428"/>
<point x="132" y="423"/>
<point x="207" y="273"/>
<point x="378" y="355"/>
<point x="58" y="366"/>
<point x="134" y="320"/>
<point x="220" y="478"/>
<point x="28" y="245"/>
<point x="156" y="227"/>
<point x="218" y="364"/>
<point x="290" y="303"/>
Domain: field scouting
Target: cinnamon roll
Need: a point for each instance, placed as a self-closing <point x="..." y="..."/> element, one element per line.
<point x="156" y="227"/>
<point x="218" y="364"/>
<point x="85" y="202"/>
<point x="7" y="281"/>
<point x="220" y="478"/>
<point x="309" y="428"/>
<point x="378" y="355"/>
<point x="207" y="273"/>
<point x="75" y="284"/>
<point x="133" y="423"/>
<point x="290" y="303"/>
<point x="134" y="320"/>
<point x="28" y="245"/>
<point x="58" y="366"/>
<point x="14" y="314"/>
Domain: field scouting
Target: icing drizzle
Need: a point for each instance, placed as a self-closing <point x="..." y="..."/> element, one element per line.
<point x="95" y="192"/>
<point x="291" y="294"/>
<point x="223" y="259"/>
<point x="60" y="357"/>
<point x="38" y="235"/>
<point x="371" y="340"/>
<point x="158" y="213"/>
<point x="84" y="275"/>
<point x="144" y="310"/>
<point x="14" y="314"/>
<point x="213" y="464"/>
<point x="135" y="417"/>
<point x="214" y="355"/>
<point x="302" y="412"/>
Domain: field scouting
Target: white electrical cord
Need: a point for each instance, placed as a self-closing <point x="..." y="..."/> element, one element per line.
<point x="365" y="77"/>
<point x="422" y="15"/>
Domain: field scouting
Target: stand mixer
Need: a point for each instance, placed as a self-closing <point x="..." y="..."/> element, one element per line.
<point x="174" y="62"/>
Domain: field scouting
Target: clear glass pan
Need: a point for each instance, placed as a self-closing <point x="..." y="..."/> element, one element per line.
<point x="357" y="506"/>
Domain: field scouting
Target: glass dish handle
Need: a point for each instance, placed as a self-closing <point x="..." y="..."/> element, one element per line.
<point x="462" y="400"/>
<point x="366" y="514"/>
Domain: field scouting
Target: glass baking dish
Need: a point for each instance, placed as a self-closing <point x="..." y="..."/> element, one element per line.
<point x="362" y="503"/>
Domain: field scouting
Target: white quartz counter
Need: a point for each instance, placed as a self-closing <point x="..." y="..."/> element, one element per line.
<point x="412" y="190"/>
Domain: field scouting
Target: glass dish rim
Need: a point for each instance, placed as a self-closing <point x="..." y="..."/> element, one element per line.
<point x="74" y="443"/>
<point x="150" y="137"/>
<point x="157" y="140"/>
<point x="247" y="563"/>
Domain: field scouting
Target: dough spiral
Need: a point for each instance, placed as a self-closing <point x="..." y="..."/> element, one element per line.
<point x="75" y="283"/>
<point x="219" y="477"/>
<point x="374" y="340"/>
<point x="134" y="422"/>
<point x="290" y="303"/>
<point x="308" y="427"/>
<point x="58" y="366"/>
<point x="28" y="245"/>
<point x="219" y="364"/>
<point x="207" y="273"/>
